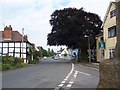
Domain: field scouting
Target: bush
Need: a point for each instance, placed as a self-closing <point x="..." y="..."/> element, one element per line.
<point x="9" y="62"/>
<point x="65" y="54"/>
<point x="6" y="66"/>
<point x="33" y="61"/>
<point x="20" y="65"/>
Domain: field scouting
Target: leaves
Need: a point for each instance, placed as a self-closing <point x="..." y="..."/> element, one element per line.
<point x="70" y="25"/>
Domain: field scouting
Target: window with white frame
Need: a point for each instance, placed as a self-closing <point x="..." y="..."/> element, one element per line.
<point x="111" y="53"/>
<point x="11" y="44"/>
<point x="17" y="44"/>
<point x="5" y="44"/>
<point x="11" y="50"/>
<point x="112" y="32"/>
<point x="112" y="13"/>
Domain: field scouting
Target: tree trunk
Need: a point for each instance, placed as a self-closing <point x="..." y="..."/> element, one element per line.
<point x="82" y="55"/>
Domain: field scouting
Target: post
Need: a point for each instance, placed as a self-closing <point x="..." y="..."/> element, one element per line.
<point x="22" y="40"/>
<point x="89" y="52"/>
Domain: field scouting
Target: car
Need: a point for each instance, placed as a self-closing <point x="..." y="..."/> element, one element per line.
<point x="56" y="57"/>
<point x="44" y="57"/>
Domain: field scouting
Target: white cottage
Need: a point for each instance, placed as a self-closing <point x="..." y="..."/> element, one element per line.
<point x="12" y="43"/>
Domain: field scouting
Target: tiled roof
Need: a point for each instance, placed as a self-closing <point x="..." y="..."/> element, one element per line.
<point x="16" y="37"/>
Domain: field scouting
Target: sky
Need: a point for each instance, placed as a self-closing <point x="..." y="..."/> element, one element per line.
<point x="34" y="15"/>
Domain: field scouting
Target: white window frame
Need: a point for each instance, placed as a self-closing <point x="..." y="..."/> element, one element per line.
<point x="111" y="53"/>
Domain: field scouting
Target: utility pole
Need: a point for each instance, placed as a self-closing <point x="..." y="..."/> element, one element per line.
<point x="89" y="49"/>
<point x="22" y="40"/>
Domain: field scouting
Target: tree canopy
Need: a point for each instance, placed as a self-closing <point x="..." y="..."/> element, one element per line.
<point x="70" y="25"/>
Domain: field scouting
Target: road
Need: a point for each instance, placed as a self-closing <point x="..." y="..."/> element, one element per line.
<point x="54" y="74"/>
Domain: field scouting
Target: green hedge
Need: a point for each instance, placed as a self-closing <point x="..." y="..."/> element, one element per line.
<point x="33" y="61"/>
<point x="9" y="62"/>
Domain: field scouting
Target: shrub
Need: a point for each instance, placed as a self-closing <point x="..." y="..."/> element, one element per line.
<point x="6" y="66"/>
<point x="7" y="60"/>
<point x="65" y="54"/>
<point x="33" y="61"/>
<point x="20" y="65"/>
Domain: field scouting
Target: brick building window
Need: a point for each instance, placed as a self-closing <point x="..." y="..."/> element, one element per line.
<point x="112" y="13"/>
<point x="112" y="32"/>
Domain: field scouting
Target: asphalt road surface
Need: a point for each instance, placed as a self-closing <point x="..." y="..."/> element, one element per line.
<point x="55" y="74"/>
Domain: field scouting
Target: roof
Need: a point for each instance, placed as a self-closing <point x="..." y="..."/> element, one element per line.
<point x="16" y="37"/>
<point x="108" y="12"/>
<point x="100" y="34"/>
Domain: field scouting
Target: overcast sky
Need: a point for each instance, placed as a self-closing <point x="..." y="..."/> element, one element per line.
<point x="34" y="15"/>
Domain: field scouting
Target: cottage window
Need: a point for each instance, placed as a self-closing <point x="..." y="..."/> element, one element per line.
<point x="5" y="44"/>
<point x="112" y="13"/>
<point x="111" y="53"/>
<point x="112" y="32"/>
<point x="11" y="44"/>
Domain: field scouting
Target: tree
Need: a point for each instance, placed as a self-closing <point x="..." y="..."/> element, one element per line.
<point x="69" y="27"/>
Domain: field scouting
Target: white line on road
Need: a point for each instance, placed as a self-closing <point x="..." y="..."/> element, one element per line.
<point x="63" y="81"/>
<point x="66" y="78"/>
<point x="83" y="73"/>
<point x="71" y="82"/>
<point x="90" y="67"/>
<point x="69" y="85"/>
<point x="60" y="85"/>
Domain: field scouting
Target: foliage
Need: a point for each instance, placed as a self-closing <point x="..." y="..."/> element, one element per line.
<point x="50" y="52"/>
<point x="33" y="61"/>
<point x="36" y="54"/>
<point x="9" y="62"/>
<point x="0" y="67"/>
<point x="65" y="54"/>
<point x="69" y="27"/>
<point x="6" y="66"/>
<point x="45" y="53"/>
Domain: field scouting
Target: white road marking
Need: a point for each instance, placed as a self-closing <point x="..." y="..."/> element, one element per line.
<point x="83" y="73"/>
<point x="76" y="72"/>
<point x="69" y="85"/>
<point x="60" y="85"/>
<point x="90" y="67"/>
<point x="94" y="68"/>
<point x="75" y="76"/>
<point x="71" y="82"/>
<point x="63" y="81"/>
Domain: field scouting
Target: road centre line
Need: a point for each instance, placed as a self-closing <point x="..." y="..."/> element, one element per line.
<point x="66" y="78"/>
<point x="60" y="85"/>
<point x="63" y="81"/>
<point x="69" y="85"/>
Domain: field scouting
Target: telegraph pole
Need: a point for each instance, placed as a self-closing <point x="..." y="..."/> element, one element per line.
<point x="22" y="40"/>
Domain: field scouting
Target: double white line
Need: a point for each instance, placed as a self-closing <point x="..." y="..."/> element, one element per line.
<point x="66" y="78"/>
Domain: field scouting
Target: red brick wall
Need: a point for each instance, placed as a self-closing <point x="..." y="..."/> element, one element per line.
<point x="7" y="34"/>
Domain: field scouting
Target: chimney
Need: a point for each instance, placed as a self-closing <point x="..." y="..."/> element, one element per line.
<point x="7" y="34"/>
<point x="26" y="37"/>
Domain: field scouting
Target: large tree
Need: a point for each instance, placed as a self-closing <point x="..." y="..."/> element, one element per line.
<point x="69" y="27"/>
